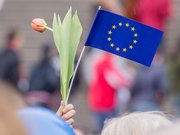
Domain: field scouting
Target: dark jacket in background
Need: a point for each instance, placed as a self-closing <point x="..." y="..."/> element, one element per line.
<point x="148" y="85"/>
<point x="44" y="78"/>
<point x="9" y="66"/>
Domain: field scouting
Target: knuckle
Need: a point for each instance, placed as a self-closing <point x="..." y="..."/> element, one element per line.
<point x="73" y="112"/>
<point x="64" y="117"/>
<point x="71" y="106"/>
<point x="71" y="121"/>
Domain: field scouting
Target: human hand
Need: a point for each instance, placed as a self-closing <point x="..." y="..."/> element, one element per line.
<point x="66" y="112"/>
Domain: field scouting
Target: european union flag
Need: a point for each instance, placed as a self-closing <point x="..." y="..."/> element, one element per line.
<point x="124" y="37"/>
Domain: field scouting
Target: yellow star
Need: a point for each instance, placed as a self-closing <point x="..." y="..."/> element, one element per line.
<point x="136" y="35"/>
<point x="134" y="41"/>
<point x="124" y="49"/>
<point x="112" y="45"/>
<point x="117" y="49"/>
<point x="130" y="47"/>
<point x="109" y="32"/>
<point x="109" y="39"/>
<point x="127" y="24"/>
<point x="120" y="24"/>
<point x="114" y="26"/>
<point x="132" y="28"/>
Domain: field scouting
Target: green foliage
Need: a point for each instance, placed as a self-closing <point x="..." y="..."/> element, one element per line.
<point x="66" y="37"/>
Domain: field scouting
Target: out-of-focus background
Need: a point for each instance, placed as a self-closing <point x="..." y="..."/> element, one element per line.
<point x="105" y="85"/>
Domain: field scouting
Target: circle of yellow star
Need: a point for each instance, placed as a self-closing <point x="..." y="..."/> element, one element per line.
<point x="112" y="45"/>
<point x="127" y="24"/>
<point x="130" y="47"/>
<point x="120" y="24"/>
<point x="114" y="26"/>
<point x="135" y="34"/>
<point x="109" y="39"/>
<point x="133" y="29"/>
<point x="124" y="49"/>
<point x="134" y="41"/>
<point x="117" y="49"/>
<point x="109" y="32"/>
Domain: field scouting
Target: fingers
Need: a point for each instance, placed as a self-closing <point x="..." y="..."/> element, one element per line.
<point x="68" y="108"/>
<point x="70" y="121"/>
<point x="67" y="116"/>
<point x="66" y="112"/>
<point x="60" y="110"/>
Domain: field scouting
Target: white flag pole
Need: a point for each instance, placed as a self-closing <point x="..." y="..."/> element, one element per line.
<point x="76" y="68"/>
<point x="74" y="74"/>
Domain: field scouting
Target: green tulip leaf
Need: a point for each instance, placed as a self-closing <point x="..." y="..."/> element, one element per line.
<point x="66" y="37"/>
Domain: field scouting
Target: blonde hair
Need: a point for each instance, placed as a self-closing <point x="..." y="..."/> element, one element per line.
<point x="10" y="102"/>
<point x="138" y="123"/>
<point x="11" y="97"/>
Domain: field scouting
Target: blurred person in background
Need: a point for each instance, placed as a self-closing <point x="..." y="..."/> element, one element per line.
<point x="41" y="121"/>
<point x="44" y="79"/>
<point x="16" y="116"/>
<point x="150" y="86"/>
<point x="138" y="123"/>
<point x="174" y="73"/>
<point x="154" y="14"/>
<point x="171" y="130"/>
<point x="106" y="79"/>
<point x="111" y="5"/>
<point x="145" y="88"/>
<point x="9" y="58"/>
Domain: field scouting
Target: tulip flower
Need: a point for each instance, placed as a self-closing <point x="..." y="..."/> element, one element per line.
<point x="39" y="25"/>
<point x="66" y="36"/>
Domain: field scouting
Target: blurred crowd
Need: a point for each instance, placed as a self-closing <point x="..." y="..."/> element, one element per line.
<point x="114" y="85"/>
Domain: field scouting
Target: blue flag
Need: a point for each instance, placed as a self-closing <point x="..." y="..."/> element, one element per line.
<point x="124" y="37"/>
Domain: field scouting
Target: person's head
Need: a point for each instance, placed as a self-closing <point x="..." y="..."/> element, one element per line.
<point x="130" y="8"/>
<point x="14" y="39"/>
<point x="18" y="119"/>
<point x="47" y="51"/>
<point x="10" y="101"/>
<point x="10" y="124"/>
<point x="171" y="130"/>
<point x="11" y="97"/>
<point x="41" y="121"/>
<point x="139" y="123"/>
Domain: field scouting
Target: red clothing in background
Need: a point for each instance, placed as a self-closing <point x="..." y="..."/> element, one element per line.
<point x="153" y="12"/>
<point x="102" y="96"/>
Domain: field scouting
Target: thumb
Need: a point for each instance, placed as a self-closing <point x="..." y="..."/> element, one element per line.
<point x="60" y="110"/>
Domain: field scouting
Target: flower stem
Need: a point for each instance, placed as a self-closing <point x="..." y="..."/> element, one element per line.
<point x="49" y="28"/>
